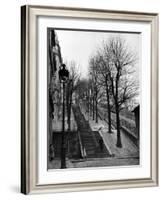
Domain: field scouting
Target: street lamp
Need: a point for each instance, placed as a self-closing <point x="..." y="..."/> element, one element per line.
<point x="63" y="77"/>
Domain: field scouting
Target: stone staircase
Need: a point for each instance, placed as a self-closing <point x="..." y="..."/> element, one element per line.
<point x="90" y="139"/>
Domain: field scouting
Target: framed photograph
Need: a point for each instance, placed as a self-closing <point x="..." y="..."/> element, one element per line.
<point x="89" y="99"/>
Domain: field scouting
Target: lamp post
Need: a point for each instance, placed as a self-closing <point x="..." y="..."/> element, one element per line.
<point x="63" y="77"/>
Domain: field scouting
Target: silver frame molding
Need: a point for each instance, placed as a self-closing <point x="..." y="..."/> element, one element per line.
<point x="29" y="16"/>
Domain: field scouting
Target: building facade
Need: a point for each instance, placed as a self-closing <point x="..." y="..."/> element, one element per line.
<point x="54" y="61"/>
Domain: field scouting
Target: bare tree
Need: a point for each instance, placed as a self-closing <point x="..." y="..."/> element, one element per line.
<point x="104" y="70"/>
<point x="81" y="89"/>
<point x="114" y="66"/>
<point x="94" y="86"/>
<point x="121" y="67"/>
<point x="100" y="69"/>
<point x="74" y="77"/>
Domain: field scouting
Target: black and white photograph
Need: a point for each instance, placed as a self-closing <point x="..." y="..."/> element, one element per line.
<point x="89" y="103"/>
<point x="93" y="98"/>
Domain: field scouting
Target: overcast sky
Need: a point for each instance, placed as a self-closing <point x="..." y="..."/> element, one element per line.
<point x="78" y="46"/>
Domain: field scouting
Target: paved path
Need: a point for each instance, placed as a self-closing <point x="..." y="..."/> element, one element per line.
<point x="90" y="139"/>
<point x="129" y="149"/>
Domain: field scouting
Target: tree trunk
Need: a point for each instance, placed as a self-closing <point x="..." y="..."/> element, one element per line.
<point x="69" y="112"/>
<point x="96" y="107"/>
<point x="90" y="106"/>
<point x="63" y="142"/>
<point x="119" y="143"/>
<point x="108" y="107"/>
<point x="93" y="108"/>
<point x="69" y="101"/>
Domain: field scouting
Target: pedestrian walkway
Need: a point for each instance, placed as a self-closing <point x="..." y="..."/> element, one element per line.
<point x="129" y="149"/>
<point x="90" y="139"/>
